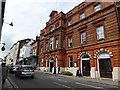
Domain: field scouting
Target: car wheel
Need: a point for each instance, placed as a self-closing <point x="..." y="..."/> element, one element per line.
<point x="32" y="77"/>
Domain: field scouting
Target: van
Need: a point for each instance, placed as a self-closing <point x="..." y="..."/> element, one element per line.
<point x="25" y="71"/>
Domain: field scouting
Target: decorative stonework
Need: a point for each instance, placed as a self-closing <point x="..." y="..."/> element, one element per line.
<point x="102" y="50"/>
<point x="84" y="53"/>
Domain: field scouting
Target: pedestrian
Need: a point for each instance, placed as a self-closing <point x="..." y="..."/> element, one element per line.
<point x="4" y="72"/>
<point x="78" y="73"/>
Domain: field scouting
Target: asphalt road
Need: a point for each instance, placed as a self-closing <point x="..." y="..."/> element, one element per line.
<point x="43" y="80"/>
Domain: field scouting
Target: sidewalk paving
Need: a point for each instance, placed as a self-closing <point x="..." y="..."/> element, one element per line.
<point x="89" y="79"/>
<point x="7" y="85"/>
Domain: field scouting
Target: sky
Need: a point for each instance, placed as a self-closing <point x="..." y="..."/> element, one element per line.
<point x="29" y="17"/>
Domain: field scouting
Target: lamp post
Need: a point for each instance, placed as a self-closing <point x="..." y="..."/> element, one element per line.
<point x="11" y="24"/>
<point x="3" y="47"/>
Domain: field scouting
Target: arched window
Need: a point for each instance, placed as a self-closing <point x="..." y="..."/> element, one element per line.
<point x="85" y="56"/>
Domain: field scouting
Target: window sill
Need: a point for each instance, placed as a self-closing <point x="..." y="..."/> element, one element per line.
<point x="102" y="39"/>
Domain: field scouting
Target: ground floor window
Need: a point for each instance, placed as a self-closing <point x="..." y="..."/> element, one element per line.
<point x="70" y="61"/>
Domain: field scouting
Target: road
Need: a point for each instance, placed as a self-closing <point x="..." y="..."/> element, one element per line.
<point x="45" y="80"/>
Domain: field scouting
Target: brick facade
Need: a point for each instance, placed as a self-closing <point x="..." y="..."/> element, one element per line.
<point x="95" y="50"/>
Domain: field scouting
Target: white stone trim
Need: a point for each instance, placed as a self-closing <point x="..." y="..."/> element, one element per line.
<point x="102" y="50"/>
<point x="116" y="74"/>
<point x="72" y="70"/>
<point x="93" y="72"/>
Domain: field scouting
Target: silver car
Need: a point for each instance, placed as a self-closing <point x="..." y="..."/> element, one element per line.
<point x="25" y="71"/>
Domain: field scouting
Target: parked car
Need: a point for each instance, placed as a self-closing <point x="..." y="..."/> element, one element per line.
<point x="25" y="71"/>
<point x="13" y="68"/>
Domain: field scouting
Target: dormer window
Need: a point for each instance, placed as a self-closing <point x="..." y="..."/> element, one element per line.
<point x="97" y="7"/>
<point x="52" y="28"/>
<point x="69" y="22"/>
<point x="82" y="15"/>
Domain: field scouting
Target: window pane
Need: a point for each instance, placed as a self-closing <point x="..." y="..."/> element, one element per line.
<point x="100" y="32"/>
<point x="83" y="37"/>
<point x="70" y="41"/>
<point x="97" y="7"/>
<point x="70" y="61"/>
<point x="82" y="15"/>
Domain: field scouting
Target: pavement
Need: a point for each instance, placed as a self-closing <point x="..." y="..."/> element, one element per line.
<point x="89" y="79"/>
<point x="7" y="85"/>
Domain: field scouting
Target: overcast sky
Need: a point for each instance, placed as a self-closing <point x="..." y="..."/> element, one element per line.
<point x="29" y="17"/>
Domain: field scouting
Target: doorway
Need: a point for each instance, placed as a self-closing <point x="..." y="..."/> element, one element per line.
<point x="104" y="65"/>
<point x="105" y="68"/>
<point x="51" y="64"/>
<point x="85" y="65"/>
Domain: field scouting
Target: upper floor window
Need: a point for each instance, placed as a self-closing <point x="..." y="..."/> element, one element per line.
<point x="82" y="15"/>
<point x="97" y="7"/>
<point x="41" y="49"/>
<point x="46" y="46"/>
<point x="100" y="32"/>
<point x="70" y="58"/>
<point x="69" y="22"/>
<point x="70" y="41"/>
<point x="52" y="28"/>
<point x="56" y="43"/>
<point x="83" y="37"/>
<point x="51" y="42"/>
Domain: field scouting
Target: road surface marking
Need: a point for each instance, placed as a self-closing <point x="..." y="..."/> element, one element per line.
<point x="62" y="80"/>
<point x="63" y="85"/>
<point x="13" y="84"/>
<point x="89" y="85"/>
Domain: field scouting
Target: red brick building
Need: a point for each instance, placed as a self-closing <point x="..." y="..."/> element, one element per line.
<point x="86" y="37"/>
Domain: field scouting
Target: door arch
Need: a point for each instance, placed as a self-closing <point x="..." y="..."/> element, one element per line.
<point x="85" y="65"/>
<point x="104" y="65"/>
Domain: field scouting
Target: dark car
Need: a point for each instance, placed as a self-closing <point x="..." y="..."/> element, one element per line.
<point x="25" y="71"/>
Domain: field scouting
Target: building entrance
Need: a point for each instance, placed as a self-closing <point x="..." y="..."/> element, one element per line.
<point x="104" y="65"/>
<point x="51" y="64"/>
<point x="105" y="68"/>
<point x="85" y="65"/>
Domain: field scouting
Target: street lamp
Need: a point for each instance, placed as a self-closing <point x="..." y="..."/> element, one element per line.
<point x="3" y="47"/>
<point x="11" y="24"/>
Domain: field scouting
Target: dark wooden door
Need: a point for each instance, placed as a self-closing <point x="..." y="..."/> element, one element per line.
<point x="105" y="68"/>
<point x="86" y="67"/>
<point x="51" y="66"/>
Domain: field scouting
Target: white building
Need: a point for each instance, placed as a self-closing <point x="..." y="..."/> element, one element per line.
<point x="12" y="55"/>
<point x="25" y="51"/>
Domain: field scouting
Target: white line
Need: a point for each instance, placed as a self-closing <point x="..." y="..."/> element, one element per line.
<point x="64" y="85"/>
<point x="13" y="84"/>
<point x="89" y="85"/>
<point x="62" y="80"/>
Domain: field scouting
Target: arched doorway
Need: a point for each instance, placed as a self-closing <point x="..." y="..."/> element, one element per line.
<point x="104" y="65"/>
<point x="85" y="65"/>
<point x="51" y="63"/>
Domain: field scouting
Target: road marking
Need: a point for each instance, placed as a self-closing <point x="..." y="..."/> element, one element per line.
<point x="62" y="80"/>
<point x="89" y="85"/>
<point x="13" y="84"/>
<point x="63" y="85"/>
